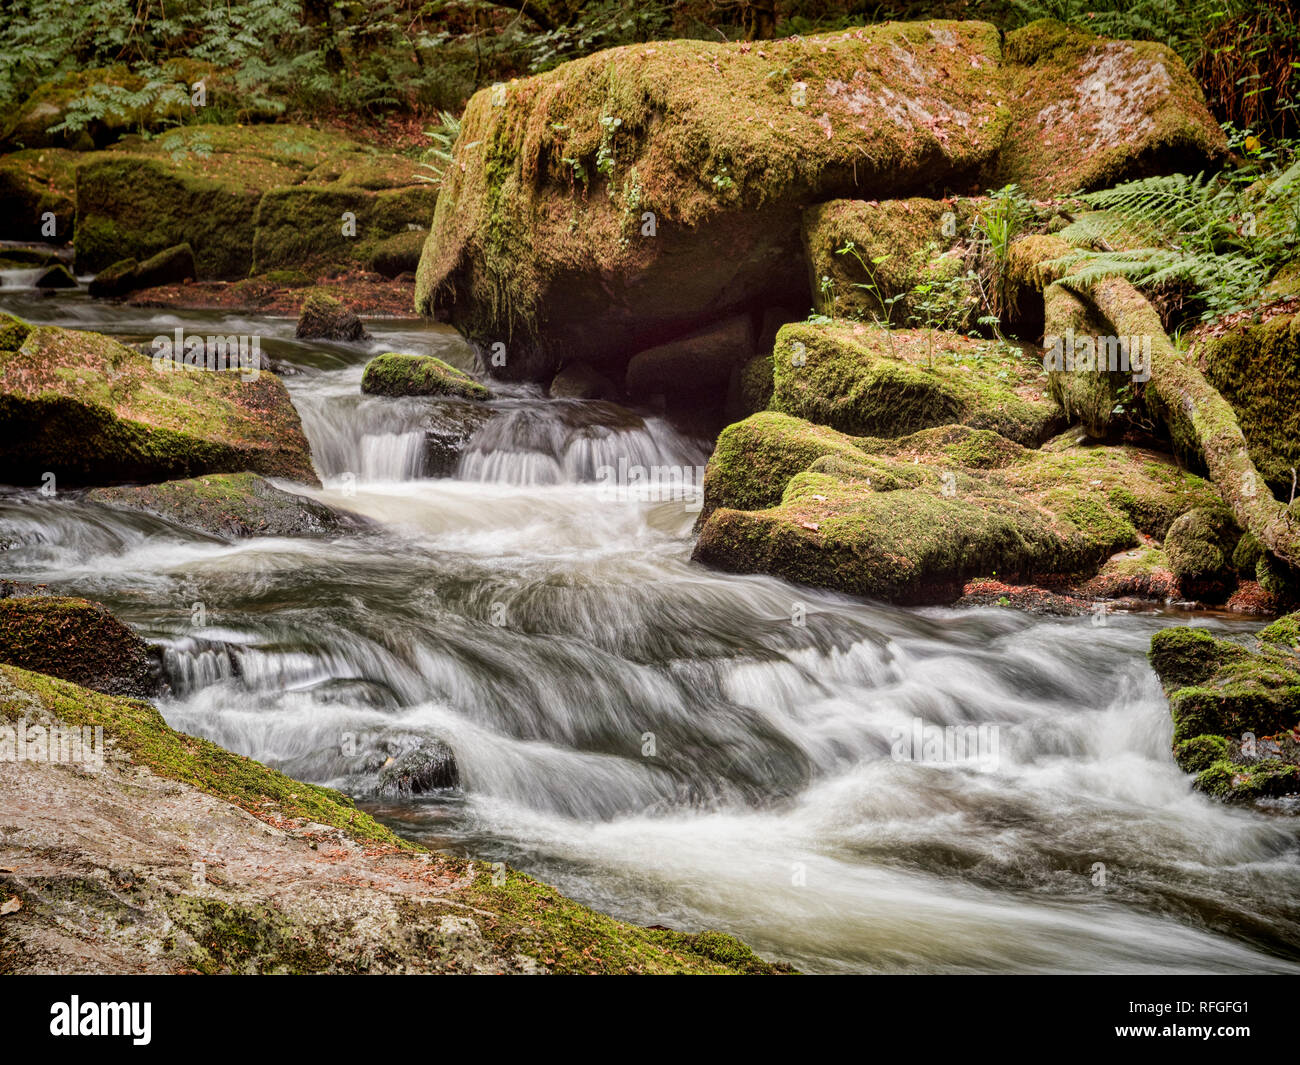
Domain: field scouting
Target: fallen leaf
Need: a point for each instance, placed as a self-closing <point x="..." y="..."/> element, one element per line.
<point x="11" y="905"/>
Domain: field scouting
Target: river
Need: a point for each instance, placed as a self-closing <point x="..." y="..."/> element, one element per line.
<point x="665" y="743"/>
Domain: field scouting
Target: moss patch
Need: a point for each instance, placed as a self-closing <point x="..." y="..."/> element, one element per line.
<point x="914" y="518"/>
<point x="865" y="380"/>
<point x="89" y="410"/>
<point x="395" y="374"/>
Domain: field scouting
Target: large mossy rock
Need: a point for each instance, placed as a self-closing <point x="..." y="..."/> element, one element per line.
<point x="91" y="411"/>
<point x="1257" y="369"/>
<point x="868" y="381"/>
<point x="232" y="505"/>
<point x="205" y="186"/>
<point x="640" y="193"/>
<point x="33" y="184"/>
<point x="397" y="374"/>
<point x="1235" y="708"/>
<point x="1088" y="113"/>
<point x="74" y="640"/>
<point x="912" y="519"/>
<point x="894" y="247"/>
<point x="320" y="225"/>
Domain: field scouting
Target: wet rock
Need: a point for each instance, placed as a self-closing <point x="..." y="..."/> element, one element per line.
<point x="693" y="370"/>
<point x="56" y="277"/>
<point x="450" y="428"/>
<point x="579" y="380"/>
<point x="230" y="505"/>
<point x="396" y="374"/>
<point x="75" y="640"/>
<point x="428" y="767"/>
<point x="324" y="318"/>
<point x="91" y="411"/>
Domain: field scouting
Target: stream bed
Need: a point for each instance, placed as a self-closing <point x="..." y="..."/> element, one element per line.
<point x="669" y="744"/>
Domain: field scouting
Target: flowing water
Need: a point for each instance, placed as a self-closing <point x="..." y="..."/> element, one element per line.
<point x="668" y="744"/>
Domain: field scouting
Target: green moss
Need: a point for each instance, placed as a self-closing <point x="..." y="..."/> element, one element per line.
<point x="1200" y="546"/>
<point x="304" y="226"/>
<point x="88" y="409"/>
<point x="1249" y="781"/>
<point x="868" y="381"/>
<point x="1186" y="656"/>
<point x="76" y="640"/>
<point x="1257" y="369"/>
<point x="533" y="919"/>
<point x="1246" y="555"/>
<point x="1285" y="633"/>
<point x="395" y="374"/>
<point x="33" y="183"/>
<point x="1200" y="752"/>
<point x="912" y="518"/>
<point x="1127" y="106"/>
<point x="897" y="245"/>
<point x="13" y="331"/>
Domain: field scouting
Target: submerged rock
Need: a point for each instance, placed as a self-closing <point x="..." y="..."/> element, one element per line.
<point x="447" y="433"/>
<point x="75" y="640"/>
<point x="58" y="276"/>
<point x="230" y="505"/>
<point x="1235" y="708"/>
<point x="396" y="374"/>
<point x="88" y="410"/>
<point x="324" y="318"/>
<point x="429" y="767"/>
<point x="912" y="519"/>
<point x="579" y="380"/>
<point x="646" y="191"/>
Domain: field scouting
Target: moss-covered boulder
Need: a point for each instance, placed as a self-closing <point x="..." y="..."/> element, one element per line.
<point x="56" y="276"/>
<point x="323" y="317"/>
<point x="1257" y="369"/>
<point x="172" y="266"/>
<point x="912" y="519"/>
<point x="230" y="505"/>
<point x="35" y="185"/>
<point x="893" y="261"/>
<point x="398" y="254"/>
<point x="315" y="226"/>
<point x="869" y="381"/>
<point x="1088" y="113"/>
<point x="1200" y="547"/>
<point x="204" y="185"/>
<point x="397" y="374"/>
<point x="644" y="191"/>
<point x="75" y="640"/>
<point x="1235" y="708"/>
<point x="92" y="411"/>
